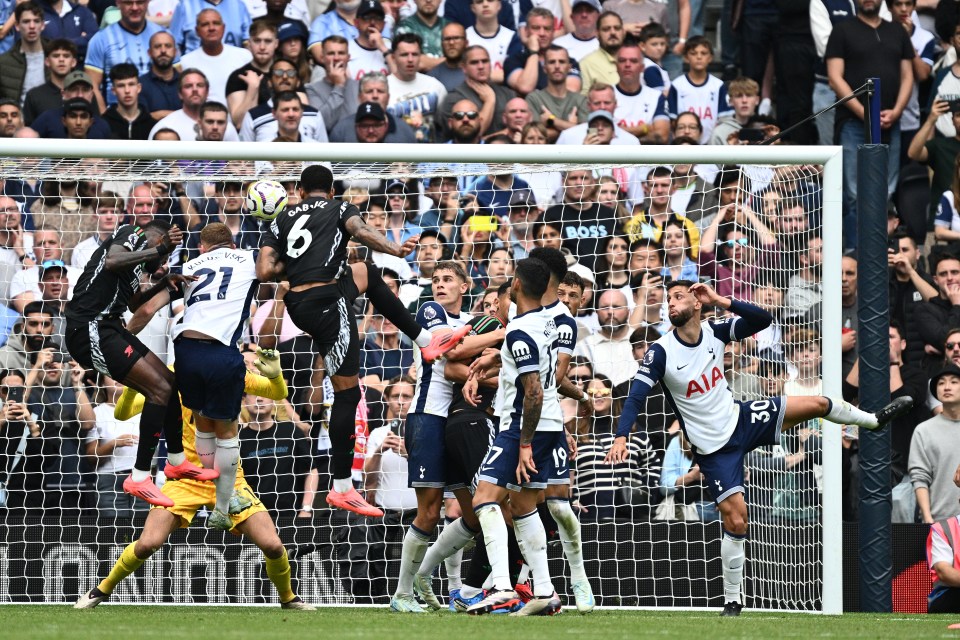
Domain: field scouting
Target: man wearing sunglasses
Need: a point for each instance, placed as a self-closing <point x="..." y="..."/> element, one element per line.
<point x="464" y="123"/>
<point x="263" y="122"/>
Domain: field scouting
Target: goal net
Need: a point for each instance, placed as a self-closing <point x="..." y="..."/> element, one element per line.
<point x="758" y="224"/>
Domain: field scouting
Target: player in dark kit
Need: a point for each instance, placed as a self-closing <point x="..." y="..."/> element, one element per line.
<point x="307" y="245"/>
<point x="97" y="339"/>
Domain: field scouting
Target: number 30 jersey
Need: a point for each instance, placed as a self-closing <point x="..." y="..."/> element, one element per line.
<point x="532" y="344"/>
<point x="217" y="303"/>
<point x="311" y="239"/>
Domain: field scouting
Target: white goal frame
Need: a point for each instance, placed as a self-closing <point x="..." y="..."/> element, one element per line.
<point x="830" y="157"/>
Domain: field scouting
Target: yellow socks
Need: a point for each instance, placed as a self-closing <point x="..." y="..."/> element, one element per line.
<point x="278" y="570"/>
<point x="126" y="564"/>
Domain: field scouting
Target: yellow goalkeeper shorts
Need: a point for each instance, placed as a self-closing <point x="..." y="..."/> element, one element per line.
<point x="189" y="496"/>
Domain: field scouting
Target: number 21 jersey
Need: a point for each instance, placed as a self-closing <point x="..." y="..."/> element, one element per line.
<point x="311" y="239"/>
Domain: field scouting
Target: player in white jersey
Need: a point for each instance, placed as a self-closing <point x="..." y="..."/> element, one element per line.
<point x="210" y="370"/>
<point x="426" y="428"/>
<point x="529" y="453"/>
<point x="688" y="365"/>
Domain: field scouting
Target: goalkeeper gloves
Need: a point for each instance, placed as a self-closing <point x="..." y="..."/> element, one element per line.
<point x="268" y="363"/>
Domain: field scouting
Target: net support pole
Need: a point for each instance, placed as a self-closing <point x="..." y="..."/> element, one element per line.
<point x="876" y="566"/>
<point x="832" y="519"/>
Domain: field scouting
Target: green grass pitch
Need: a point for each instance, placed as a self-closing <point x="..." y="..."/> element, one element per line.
<point x="259" y="623"/>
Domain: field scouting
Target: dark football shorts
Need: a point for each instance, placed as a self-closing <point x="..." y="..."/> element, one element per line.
<point x="326" y="313"/>
<point x="468" y="436"/>
<point x="106" y="346"/>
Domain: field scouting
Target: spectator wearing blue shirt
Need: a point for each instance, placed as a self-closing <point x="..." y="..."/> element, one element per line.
<point x="236" y="22"/>
<point x="160" y="84"/>
<point x="338" y="22"/>
<point x="73" y="22"/>
<point x="9" y="37"/>
<point x="125" y="41"/>
<point x="402" y="208"/>
<point x="512" y="14"/>
<point x="494" y="191"/>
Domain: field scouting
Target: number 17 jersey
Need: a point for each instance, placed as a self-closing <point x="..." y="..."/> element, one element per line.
<point x="311" y="239"/>
<point x="531" y="344"/>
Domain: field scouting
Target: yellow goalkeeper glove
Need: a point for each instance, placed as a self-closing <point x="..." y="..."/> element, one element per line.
<point x="268" y="363"/>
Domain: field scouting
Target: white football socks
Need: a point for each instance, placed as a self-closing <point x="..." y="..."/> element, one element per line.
<point x="415" y="544"/>
<point x="569" y="529"/>
<point x="453" y="538"/>
<point x="176" y="458"/>
<point x="452" y="565"/>
<point x="532" y="539"/>
<point x="226" y="459"/>
<point x="206" y="445"/>
<point x="843" y="412"/>
<point x="423" y="340"/>
<point x="495" y="537"/>
<point x="342" y="485"/>
<point x="732" y="556"/>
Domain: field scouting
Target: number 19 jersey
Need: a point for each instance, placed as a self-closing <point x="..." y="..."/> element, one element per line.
<point x="311" y="239"/>
<point x="532" y="344"/>
<point x="217" y="303"/>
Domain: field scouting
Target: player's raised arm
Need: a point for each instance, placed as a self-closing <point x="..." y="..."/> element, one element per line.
<point x="751" y="317"/>
<point x="649" y="373"/>
<point x="126" y="255"/>
<point x="270" y="265"/>
<point x="370" y="237"/>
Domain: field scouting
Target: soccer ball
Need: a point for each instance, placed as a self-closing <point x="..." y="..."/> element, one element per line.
<point x="266" y="199"/>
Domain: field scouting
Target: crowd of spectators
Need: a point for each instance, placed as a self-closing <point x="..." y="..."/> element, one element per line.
<point x="627" y="72"/>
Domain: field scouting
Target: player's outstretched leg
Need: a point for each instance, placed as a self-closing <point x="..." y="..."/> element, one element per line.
<point x="569" y="527"/>
<point x="733" y="510"/>
<point x="799" y="409"/>
<point x="158" y="527"/>
<point x="262" y="532"/>
<point x="368" y="280"/>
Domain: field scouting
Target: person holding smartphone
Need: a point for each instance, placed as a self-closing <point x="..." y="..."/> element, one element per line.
<point x="19" y="440"/>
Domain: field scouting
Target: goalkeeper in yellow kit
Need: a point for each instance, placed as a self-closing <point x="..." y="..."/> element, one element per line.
<point x="251" y="518"/>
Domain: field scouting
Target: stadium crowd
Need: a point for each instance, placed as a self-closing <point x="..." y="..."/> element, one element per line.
<point x="625" y="72"/>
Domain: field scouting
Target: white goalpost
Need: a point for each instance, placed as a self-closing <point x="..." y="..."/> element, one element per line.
<point x="642" y="548"/>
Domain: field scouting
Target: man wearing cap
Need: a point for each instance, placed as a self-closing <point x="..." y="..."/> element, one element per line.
<point x="128" y="119"/>
<point x="373" y="89"/>
<point x="217" y="59"/>
<point x="161" y="81"/>
<point x="77" y="118"/>
<point x="25" y="284"/>
<point x="234" y="13"/>
<point x="557" y="106"/>
<point x="125" y="41"/>
<point x="428" y="24"/>
<point x="934" y="456"/>
<point x="370" y="123"/>
<point x="54" y="293"/>
<point x="60" y="59"/>
<point x="525" y="70"/>
<point x="369" y="50"/>
<point x="523" y="213"/>
<point x="582" y="41"/>
<point x="339" y="22"/>
<point x="246" y="87"/>
<point x="21" y="68"/>
<point x="443" y="215"/>
<point x="601" y="97"/>
<point x="49" y="124"/>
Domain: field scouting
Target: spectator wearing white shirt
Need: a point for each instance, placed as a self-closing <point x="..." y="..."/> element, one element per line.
<point x="499" y="41"/>
<point x="193" y="90"/>
<point x="108" y="212"/>
<point x="385" y="467"/>
<point x="582" y="41"/>
<point x="217" y="59"/>
<point x="415" y="97"/>
<point x="25" y="285"/>
<point x="369" y="50"/>
<point x="111" y="446"/>
<point x="609" y="349"/>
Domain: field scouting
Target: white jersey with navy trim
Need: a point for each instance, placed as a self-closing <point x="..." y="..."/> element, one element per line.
<point x="217" y="303"/>
<point x="566" y="326"/>
<point x="531" y="344"/>
<point x="434" y="392"/>
<point x="691" y="376"/>
<point x="707" y="100"/>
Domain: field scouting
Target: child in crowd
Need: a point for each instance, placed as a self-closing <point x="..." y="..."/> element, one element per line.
<point x="697" y="90"/>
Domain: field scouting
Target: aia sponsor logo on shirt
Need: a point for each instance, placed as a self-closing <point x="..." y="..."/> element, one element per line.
<point x="703" y="384"/>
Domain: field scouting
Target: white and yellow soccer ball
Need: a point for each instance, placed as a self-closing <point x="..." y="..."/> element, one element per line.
<point x="266" y="199"/>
